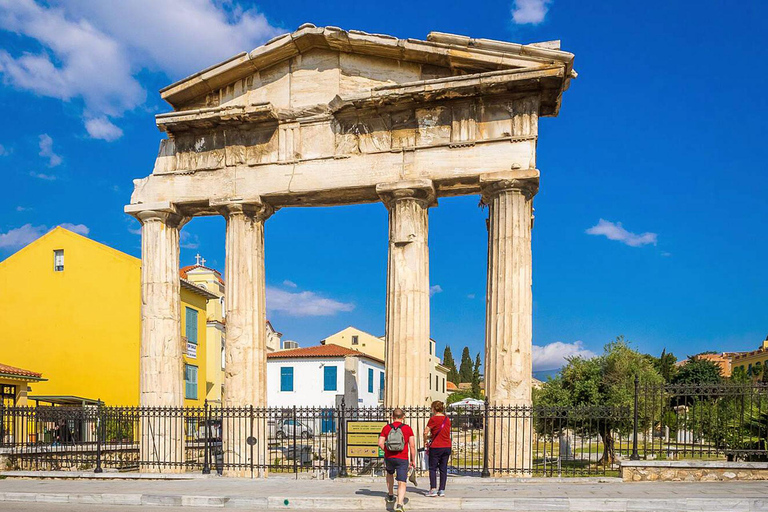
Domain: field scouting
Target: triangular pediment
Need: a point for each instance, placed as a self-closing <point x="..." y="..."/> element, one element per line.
<point x="314" y="65"/>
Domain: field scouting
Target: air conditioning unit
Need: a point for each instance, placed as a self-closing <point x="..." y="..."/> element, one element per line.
<point x="289" y="344"/>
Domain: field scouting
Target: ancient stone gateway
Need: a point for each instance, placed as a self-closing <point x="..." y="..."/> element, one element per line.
<point x="324" y="117"/>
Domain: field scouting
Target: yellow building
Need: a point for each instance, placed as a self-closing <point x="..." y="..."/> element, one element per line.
<point x="72" y="310"/>
<point x="14" y="383"/>
<point x="745" y="361"/>
<point x="355" y="339"/>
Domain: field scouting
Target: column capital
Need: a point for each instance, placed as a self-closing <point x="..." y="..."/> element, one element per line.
<point x="254" y="207"/>
<point x="525" y="182"/>
<point x="420" y="190"/>
<point x="164" y="212"/>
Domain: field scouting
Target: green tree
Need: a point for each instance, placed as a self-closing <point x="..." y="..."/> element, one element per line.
<point x="605" y="380"/>
<point x="698" y="371"/>
<point x="757" y="370"/>
<point x="476" y="378"/>
<point x="740" y="375"/>
<point x="457" y="396"/>
<point x="465" y="370"/>
<point x="448" y="362"/>
<point x="665" y="365"/>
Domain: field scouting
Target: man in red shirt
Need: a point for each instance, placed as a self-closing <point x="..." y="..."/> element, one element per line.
<point x="397" y="462"/>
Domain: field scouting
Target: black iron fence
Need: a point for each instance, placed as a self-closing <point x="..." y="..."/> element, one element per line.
<point x="667" y="422"/>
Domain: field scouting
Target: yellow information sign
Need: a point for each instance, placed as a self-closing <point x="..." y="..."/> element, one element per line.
<point x="363" y="438"/>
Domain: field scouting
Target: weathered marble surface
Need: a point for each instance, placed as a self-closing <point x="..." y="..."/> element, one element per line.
<point x="692" y="471"/>
<point x="407" y="318"/>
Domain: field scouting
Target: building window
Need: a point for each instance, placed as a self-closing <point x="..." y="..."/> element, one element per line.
<point x="381" y="385"/>
<point x="370" y="380"/>
<point x="355" y="340"/>
<point x="190" y="382"/>
<point x="443" y="384"/>
<point x="430" y="382"/>
<point x="58" y="260"/>
<point x="286" y="378"/>
<point x="7" y="397"/>
<point x="329" y="378"/>
<point x="223" y="357"/>
<point x="437" y="383"/>
<point x="191" y="326"/>
<point x="430" y="348"/>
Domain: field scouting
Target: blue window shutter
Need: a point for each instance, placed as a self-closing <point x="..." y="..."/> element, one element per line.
<point x="381" y="380"/>
<point x="286" y="378"/>
<point x="370" y="380"/>
<point x="191" y="327"/>
<point x="190" y="382"/>
<point x="329" y="378"/>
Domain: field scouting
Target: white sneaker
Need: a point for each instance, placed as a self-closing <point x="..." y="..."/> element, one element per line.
<point x="441" y="494"/>
<point x="432" y="493"/>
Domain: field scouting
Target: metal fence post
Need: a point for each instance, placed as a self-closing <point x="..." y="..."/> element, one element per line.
<point x="99" y="426"/>
<point x="342" y="436"/>
<point x="486" y="473"/>
<point x="295" y="455"/>
<point x="207" y="452"/>
<point x="635" y="455"/>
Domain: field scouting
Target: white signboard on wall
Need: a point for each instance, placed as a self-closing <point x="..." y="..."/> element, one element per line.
<point x="191" y="350"/>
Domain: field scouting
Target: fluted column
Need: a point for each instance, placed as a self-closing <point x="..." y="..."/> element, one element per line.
<point x="161" y="364"/>
<point x="508" y="319"/>
<point x="407" y="319"/>
<point x="245" y="374"/>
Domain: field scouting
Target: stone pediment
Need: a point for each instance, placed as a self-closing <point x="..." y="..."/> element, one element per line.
<point x="315" y="66"/>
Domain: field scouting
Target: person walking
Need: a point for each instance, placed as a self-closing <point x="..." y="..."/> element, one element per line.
<point x="399" y="445"/>
<point x="437" y="439"/>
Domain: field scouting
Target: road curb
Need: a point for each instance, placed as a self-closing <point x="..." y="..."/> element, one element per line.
<point x="543" y="504"/>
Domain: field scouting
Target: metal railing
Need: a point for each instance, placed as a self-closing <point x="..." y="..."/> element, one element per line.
<point x="665" y="422"/>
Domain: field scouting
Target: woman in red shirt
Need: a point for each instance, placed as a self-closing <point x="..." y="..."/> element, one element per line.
<point x="437" y="437"/>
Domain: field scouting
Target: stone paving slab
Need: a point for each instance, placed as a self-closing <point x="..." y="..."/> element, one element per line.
<point x="475" y="494"/>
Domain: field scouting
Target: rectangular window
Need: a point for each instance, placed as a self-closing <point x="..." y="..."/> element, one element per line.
<point x="381" y="383"/>
<point x="286" y="378"/>
<point x="443" y="384"/>
<point x="223" y="357"/>
<point x="355" y="340"/>
<point x="370" y="380"/>
<point x="430" y="382"/>
<point x="437" y="383"/>
<point x="191" y="326"/>
<point x="58" y="260"/>
<point x="329" y="378"/>
<point x="190" y="381"/>
<point x="430" y="348"/>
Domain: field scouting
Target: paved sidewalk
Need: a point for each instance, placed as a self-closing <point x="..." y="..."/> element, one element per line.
<point x="463" y="494"/>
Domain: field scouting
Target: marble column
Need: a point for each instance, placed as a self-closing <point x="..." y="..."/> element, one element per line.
<point x="407" y="318"/>
<point x="245" y="374"/>
<point x="161" y="363"/>
<point x="508" y="320"/>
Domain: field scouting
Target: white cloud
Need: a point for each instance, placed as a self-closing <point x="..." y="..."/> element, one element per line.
<point x="530" y="11"/>
<point x="23" y="208"/>
<point x="617" y="232"/>
<point x="471" y="296"/>
<point x="102" y="128"/>
<point x="93" y="51"/>
<point x="553" y="355"/>
<point x="42" y="176"/>
<point x="80" y="229"/>
<point x="434" y="289"/>
<point x="304" y="303"/>
<point x="46" y="150"/>
<point x="19" y="237"/>
<point x="188" y="240"/>
<point x="4" y="151"/>
<point x="290" y="284"/>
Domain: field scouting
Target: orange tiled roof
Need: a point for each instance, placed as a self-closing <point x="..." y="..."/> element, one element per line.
<point x="183" y="271"/>
<point x="12" y="370"/>
<point x="450" y="386"/>
<point x="319" y="351"/>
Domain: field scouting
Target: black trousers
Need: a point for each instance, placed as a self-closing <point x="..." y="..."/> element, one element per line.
<point x="438" y="459"/>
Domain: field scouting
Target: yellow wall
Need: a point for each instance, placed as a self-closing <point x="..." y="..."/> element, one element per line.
<point x="81" y="327"/>
<point x="21" y="389"/>
<point x="366" y="343"/>
<point x="192" y="300"/>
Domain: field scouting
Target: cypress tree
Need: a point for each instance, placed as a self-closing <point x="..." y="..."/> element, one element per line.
<point x="476" y="377"/>
<point x="466" y="368"/>
<point x="448" y="362"/>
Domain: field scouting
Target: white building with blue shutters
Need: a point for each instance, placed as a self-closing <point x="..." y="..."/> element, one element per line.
<point x="319" y="376"/>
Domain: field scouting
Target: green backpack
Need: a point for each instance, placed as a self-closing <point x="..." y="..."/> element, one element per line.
<point x="395" y="441"/>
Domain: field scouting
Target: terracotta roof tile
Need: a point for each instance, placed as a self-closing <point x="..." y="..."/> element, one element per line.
<point x="319" y="351"/>
<point x="450" y="386"/>
<point x="12" y="370"/>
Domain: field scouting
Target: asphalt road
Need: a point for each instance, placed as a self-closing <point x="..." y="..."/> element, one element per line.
<point x="57" y="507"/>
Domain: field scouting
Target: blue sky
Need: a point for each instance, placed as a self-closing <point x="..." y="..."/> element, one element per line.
<point x="650" y="221"/>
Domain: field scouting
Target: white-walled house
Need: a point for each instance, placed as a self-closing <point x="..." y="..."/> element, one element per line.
<point x="315" y="376"/>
